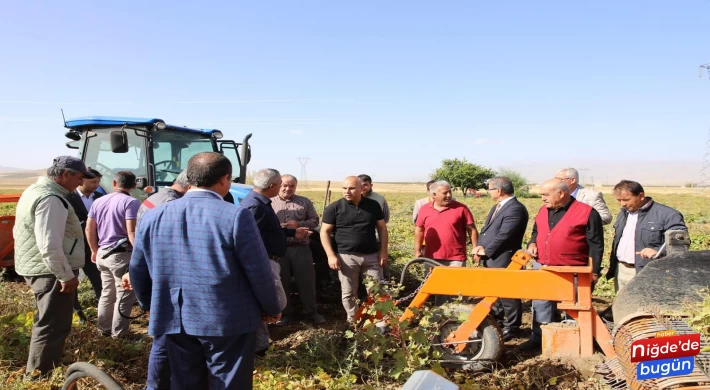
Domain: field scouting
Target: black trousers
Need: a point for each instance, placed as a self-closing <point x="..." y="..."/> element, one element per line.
<point x="509" y="311"/>
<point x="94" y="276"/>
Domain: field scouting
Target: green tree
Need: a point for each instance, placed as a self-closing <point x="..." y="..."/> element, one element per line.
<point x="462" y="175"/>
<point x="522" y="189"/>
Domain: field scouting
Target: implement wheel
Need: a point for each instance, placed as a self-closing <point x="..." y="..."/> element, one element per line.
<point x="481" y="354"/>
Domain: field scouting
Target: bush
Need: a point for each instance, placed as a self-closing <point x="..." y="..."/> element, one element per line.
<point x="522" y="189"/>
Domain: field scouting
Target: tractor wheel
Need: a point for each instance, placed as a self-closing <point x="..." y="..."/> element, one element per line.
<point x="482" y="354"/>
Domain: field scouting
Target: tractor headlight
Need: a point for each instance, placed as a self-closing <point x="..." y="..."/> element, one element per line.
<point x="160" y="125"/>
<point x="217" y="134"/>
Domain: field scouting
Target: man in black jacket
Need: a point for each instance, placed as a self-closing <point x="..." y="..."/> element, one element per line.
<point x="81" y="200"/>
<point x="639" y="231"/>
<point x="501" y="236"/>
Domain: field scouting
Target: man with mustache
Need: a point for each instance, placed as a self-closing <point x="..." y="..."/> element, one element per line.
<point x="570" y="233"/>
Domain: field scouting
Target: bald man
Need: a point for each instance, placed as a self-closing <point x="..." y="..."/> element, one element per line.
<point x="353" y="221"/>
<point x="572" y="234"/>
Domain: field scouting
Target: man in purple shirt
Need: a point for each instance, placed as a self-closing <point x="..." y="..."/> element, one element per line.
<point x="111" y="219"/>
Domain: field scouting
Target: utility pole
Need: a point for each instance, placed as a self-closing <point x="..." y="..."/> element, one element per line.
<point x="582" y="175"/>
<point x="705" y="170"/>
<point x="303" y="161"/>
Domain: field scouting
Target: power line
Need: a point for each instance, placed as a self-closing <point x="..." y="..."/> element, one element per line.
<point x="303" y="161"/>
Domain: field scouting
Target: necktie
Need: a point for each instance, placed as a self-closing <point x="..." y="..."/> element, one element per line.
<point x="496" y="212"/>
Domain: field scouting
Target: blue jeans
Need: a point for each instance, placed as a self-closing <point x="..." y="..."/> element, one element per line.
<point x="158" y="365"/>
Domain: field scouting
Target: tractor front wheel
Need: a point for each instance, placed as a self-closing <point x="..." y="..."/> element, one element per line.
<point x="483" y="351"/>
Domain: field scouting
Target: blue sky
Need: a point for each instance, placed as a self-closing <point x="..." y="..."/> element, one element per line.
<point x="385" y="88"/>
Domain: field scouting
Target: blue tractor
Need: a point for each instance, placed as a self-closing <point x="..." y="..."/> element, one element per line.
<point x="153" y="150"/>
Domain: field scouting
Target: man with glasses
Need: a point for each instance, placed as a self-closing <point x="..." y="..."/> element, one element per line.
<point x="500" y="238"/>
<point x="588" y="196"/>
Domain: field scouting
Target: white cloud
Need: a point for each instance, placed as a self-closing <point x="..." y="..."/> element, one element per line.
<point x="486" y="141"/>
<point x="296" y="131"/>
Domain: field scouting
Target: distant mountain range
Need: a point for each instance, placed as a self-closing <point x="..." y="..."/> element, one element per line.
<point x="609" y="172"/>
<point x="12" y="170"/>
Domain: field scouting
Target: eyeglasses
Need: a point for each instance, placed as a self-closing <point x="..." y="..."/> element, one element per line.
<point x="491" y="189"/>
<point x="563" y="178"/>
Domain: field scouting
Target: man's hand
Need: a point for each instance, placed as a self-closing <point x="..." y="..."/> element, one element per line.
<point x="418" y="253"/>
<point x="69" y="286"/>
<point x="479" y="250"/>
<point x="384" y="257"/>
<point x="532" y="248"/>
<point x="476" y="260"/>
<point x="302" y="233"/>
<point x="291" y="224"/>
<point x="647" y="253"/>
<point x="126" y="282"/>
<point x="595" y="277"/>
<point x="334" y="263"/>
<point x="93" y="257"/>
<point x="271" y="320"/>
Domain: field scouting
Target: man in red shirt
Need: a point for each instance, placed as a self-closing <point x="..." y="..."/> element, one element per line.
<point x="444" y="224"/>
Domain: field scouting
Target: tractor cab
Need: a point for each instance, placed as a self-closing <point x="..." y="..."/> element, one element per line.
<point x="153" y="150"/>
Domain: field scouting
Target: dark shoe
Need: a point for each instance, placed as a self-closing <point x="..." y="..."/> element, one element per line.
<point x="509" y="334"/>
<point x="261" y="352"/>
<point x="82" y="317"/>
<point x="533" y="344"/>
<point x="285" y="320"/>
<point x="317" y="318"/>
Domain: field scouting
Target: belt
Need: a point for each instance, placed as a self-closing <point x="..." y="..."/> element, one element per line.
<point x="627" y="265"/>
<point x="274" y="258"/>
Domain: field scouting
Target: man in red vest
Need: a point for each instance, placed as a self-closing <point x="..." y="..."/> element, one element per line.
<point x="566" y="232"/>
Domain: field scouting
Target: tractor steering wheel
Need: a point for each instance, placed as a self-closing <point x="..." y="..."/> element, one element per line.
<point x="169" y="164"/>
<point x="103" y="169"/>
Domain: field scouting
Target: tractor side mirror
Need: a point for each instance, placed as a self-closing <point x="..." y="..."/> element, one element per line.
<point x="119" y="141"/>
<point x="247" y="158"/>
<point x="141" y="183"/>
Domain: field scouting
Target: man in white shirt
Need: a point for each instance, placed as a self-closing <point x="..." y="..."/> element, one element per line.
<point x="639" y="232"/>
<point x="87" y="190"/>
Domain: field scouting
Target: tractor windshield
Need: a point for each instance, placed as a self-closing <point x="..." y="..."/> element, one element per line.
<point x="172" y="150"/>
<point x="98" y="155"/>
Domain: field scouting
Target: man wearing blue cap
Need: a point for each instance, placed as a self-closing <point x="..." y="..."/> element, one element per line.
<point x="49" y="251"/>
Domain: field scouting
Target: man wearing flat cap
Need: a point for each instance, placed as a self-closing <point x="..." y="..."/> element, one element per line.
<point x="49" y="251"/>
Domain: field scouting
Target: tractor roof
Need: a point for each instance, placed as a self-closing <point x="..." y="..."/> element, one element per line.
<point x="111" y="121"/>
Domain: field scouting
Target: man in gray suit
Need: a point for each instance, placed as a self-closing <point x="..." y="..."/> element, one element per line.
<point x="588" y="196"/>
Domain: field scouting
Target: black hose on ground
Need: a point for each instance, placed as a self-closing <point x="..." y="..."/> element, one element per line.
<point x="417" y="261"/>
<point x="83" y="370"/>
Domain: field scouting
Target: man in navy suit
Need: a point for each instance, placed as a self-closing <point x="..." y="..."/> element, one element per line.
<point x="200" y="266"/>
<point x="81" y="200"/>
<point x="500" y="238"/>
